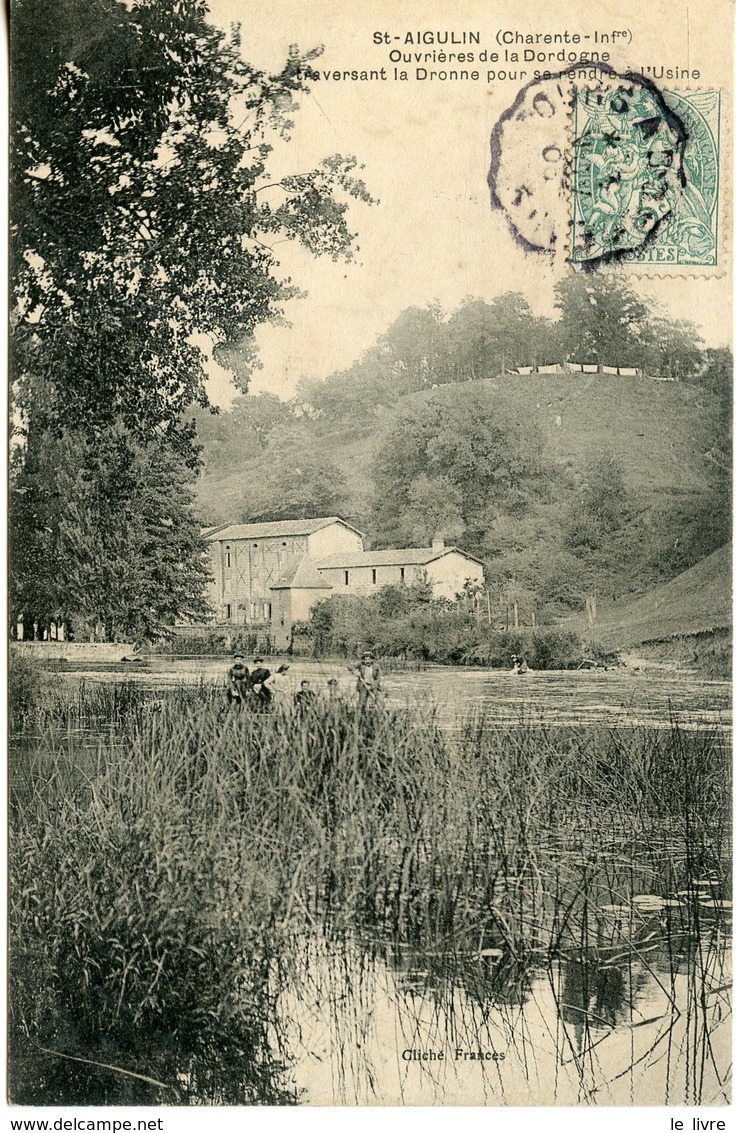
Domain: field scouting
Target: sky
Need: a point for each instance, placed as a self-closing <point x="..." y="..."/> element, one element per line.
<point x="425" y="148"/>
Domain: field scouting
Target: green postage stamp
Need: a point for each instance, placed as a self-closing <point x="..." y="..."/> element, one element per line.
<point x="636" y="174"/>
<point x="597" y="166"/>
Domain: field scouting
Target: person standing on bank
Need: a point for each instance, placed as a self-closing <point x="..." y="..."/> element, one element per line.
<point x="369" y="680"/>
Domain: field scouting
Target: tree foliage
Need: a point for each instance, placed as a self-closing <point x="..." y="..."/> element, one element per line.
<point x="142" y="206"/>
<point x="601" y="322"/>
<point x="466" y="456"/>
<point x="242" y="433"/>
<point x="143" y="222"/>
<point x="103" y="537"/>
<point x="294" y="478"/>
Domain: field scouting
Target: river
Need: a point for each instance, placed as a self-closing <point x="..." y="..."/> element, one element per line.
<point x="614" y="697"/>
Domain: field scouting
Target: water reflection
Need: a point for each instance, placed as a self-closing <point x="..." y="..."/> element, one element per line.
<point x="370" y="1026"/>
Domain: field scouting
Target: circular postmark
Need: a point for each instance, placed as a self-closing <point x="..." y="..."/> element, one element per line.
<point x="588" y="162"/>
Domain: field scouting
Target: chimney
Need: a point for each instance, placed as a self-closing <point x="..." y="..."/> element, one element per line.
<point x="438" y="544"/>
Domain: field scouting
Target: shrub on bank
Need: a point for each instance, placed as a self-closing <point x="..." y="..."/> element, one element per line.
<point x="24" y="688"/>
<point x="215" y="642"/>
<point x="438" y="631"/>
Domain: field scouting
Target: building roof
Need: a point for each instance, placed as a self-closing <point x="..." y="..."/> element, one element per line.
<point x="273" y="530"/>
<point x="408" y="556"/>
<point x="302" y="576"/>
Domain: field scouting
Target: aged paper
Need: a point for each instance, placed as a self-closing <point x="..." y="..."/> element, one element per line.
<point x="503" y="152"/>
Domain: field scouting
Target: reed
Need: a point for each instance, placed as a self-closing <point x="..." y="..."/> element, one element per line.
<point x="167" y="856"/>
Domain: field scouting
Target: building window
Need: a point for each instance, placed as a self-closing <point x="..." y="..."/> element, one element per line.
<point x="267" y="611"/>
<point x="252" y="611"/>
<point x="228" y="612"/>
<point x="374" y="576"/>
<point x="227" y="558"/>
<point x="347" y="577"/>
<point x="402" y="574"/>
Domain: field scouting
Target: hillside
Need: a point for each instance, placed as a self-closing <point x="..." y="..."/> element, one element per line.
<point x="660" y="431"/>
<point x="694" y="602"/>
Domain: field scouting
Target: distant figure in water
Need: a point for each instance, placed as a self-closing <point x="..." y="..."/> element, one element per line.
<point x="369" y="680"/>
<point x="237" y="681"/>
<point x="519" y="665"/>
<point x="305" y="697"/>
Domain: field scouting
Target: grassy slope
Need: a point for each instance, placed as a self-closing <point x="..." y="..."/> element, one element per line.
<point x="696" y="601"/>
<point x="658" y="430"/>
<point x="651" y="426"/>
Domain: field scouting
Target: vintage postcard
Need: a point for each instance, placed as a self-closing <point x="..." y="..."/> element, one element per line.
<point x="370" y="568"/>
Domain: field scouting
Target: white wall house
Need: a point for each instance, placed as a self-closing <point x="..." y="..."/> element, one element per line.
<point x="273" y="573"/>
<point x="447" y="569"/>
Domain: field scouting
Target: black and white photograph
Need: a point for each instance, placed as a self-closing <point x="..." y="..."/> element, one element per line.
<point x="369" y="559"/>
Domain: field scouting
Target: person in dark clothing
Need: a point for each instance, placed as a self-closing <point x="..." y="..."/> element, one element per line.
<point x="258" y="677"/>
<point x="237" y="681"/>
<point x="305" y="697"/>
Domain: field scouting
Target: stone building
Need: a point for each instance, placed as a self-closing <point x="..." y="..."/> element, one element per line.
<point x="248" y="558"/>
<point x="271" y="574"/>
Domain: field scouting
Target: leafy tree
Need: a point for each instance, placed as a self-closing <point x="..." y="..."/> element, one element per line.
<point x="464" y="440"/>
<point x="602" y="321"/>
<point x="294" y="478"/>
<point x="717" y="372"/>
<point x="434" y="509"/>
<point x="257" y="415"/>
<point x="353" y="397"/>
<point x="673" y="349"/>
<point x="601" y="507"/>
<point x="103" y="537"/>
<point x="143" y="216"/>
<point x="142" y="207"/>
<point x="688" y="530"/>
<point x="413" y="348"/>
<point x="228" y="438"/>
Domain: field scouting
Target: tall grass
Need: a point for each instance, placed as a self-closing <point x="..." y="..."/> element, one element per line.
<point x="163" y="871"/>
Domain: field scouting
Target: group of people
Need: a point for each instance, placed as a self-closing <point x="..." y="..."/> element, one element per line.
<point x="258" y="686"/>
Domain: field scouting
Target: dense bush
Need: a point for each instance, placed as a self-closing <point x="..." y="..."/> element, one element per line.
<point x="401" y="622"/>
<point x="216" y="642"/>
<point x="24" y="688"/>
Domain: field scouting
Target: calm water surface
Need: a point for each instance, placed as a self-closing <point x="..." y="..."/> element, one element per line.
<point x="615" y="697"/>
<point x="651" y="1027"/>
